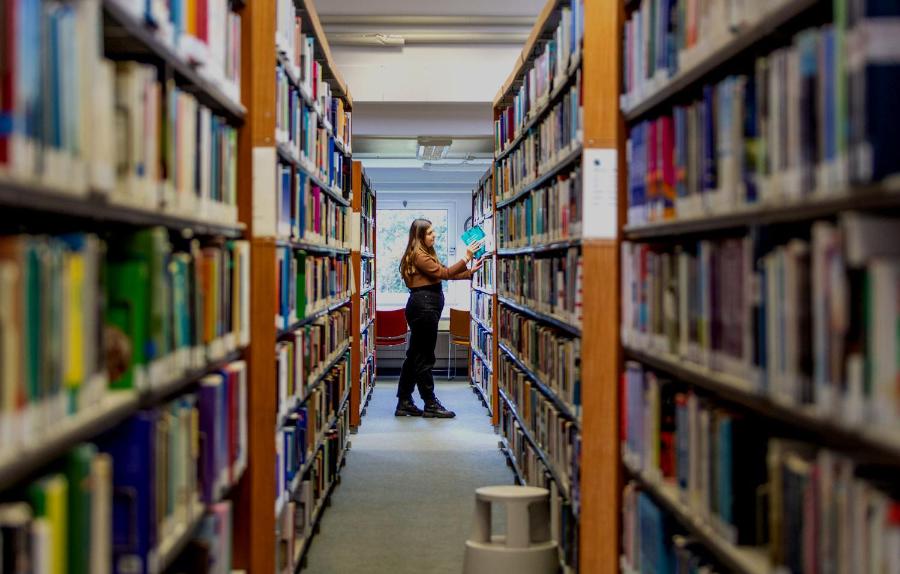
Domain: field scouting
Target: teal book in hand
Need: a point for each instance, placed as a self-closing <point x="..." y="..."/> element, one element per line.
<point x="471" y="236"/>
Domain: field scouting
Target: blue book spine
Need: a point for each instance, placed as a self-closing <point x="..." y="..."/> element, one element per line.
<point x="708" y="146"/>
<point x="222" y="430"/>
<point x="131" y="446"/>
<point x="681" y="442"/>
<point x="302" y="435"/>
<point x="828" y="71"/>
<point x="290" y="454"/>
<point x="206" y="404"/>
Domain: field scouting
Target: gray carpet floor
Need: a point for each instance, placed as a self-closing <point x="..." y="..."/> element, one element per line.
<point x="407" y="494"/>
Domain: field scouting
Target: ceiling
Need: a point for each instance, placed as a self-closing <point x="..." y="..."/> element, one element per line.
<point x="438" y="82"/>
<point x="431" y="7"/>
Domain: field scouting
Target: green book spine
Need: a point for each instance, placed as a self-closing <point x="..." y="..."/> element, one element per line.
<point x="78" y="472"/>
<point x="301" y="284"/>
<point x="127" y="297"/>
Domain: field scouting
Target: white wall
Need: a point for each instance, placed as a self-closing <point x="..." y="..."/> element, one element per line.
<point x="431" y="7"/>
<point x="413" y="119"/>
<point x="425" y="73"/>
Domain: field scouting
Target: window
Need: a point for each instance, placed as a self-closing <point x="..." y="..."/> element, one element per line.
<point x="394" y="219"/>
<point x="393" y="234"/>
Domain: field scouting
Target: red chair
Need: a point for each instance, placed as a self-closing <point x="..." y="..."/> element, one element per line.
<point x="391" y="328"/>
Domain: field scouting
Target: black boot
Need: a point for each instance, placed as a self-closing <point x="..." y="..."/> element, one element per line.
<point x="407" y="408"/>
<point x="435" y="410"/>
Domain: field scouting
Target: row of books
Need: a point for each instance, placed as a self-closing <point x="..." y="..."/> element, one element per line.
<point x="549" y="285"/>
<point x="161" y="150"/>
<point x="169" y="152"/>
<point x="210" y="551"/>
<point x="653" y="541"/>
<point x="673" y="433"/>
<point x="366" y="383"/>
<point x="482" y="378"/>
<point x="481" y="341"/>
<point x="664" y="37"/>
<point x="552" y="432"/>
<point x="806" y="319"/>
<point x="367" y="214"/>
<point x="366" y="345"/>
<point x="483" y="200"/>
<point x="558" y="134"/>
<point x="823" y="512"/>
<point x="483" y="307"/>
<point x="300" y="128"/>
<point x="550" y="69"/>
<point x="485" y="278"/>
<point x="299" y="57"/>
<point x="306" y="212"/>
<point x="301" y="359"/>
<point x="367" y="308"/>
<point x="305" y="426"/>
<point x="807" y="121"/>
<point x="206" y="34"/>
<point x="367" y="233"/>
<point x="553" y="356"/>
<point x="297" y="522"/>
<point x="548" y="214"/>
<point x="308" y="283"/>
<point x="176" y="460"/>
<point x="564" y="525"/>
<point x="177" y="156"/>
<point x="72" y="305"/>
<point x="367" y="202"/>
<point x="366" y="273"/>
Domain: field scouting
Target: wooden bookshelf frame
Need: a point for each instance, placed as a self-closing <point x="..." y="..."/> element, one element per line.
<point x="255" y="523"/>
<point x="601" y="360"/>
<point x="359" y="396"/>
<point x="493" y="399"/>
<point x="39" y="207"/>
<point x="865" y="444"/>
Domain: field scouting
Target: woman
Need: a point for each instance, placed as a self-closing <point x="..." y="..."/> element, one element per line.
<point x="423" y="273"/>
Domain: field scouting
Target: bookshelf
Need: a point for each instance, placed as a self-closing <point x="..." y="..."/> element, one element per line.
<point x="760" y="230"/>
<point x="364" y="297"/>
<point x="298" y="211"/>
<point x="142" y="329"/>
<point x="484" y="302"/>
<point x="555" y="180"/>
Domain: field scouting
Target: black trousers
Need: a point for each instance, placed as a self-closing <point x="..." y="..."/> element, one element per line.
<point x="423" y="311"/>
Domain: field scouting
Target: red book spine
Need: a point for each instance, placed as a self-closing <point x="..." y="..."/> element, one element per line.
<point x="7" y="78"/>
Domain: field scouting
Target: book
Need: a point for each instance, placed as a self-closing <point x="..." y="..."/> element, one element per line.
<point x="473" y="235"/>
<point x="49" y="500"/>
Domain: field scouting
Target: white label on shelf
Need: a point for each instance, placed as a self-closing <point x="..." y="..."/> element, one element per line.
<point x="600" y="205"/>
<point x="355" y="230"/>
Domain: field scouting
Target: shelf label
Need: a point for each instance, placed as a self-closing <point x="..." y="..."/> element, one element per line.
<point x="355" y="230"/>
<point x="599" y="194"/>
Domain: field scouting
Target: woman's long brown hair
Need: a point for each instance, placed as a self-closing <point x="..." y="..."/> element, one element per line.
<point x="416" y="242"/>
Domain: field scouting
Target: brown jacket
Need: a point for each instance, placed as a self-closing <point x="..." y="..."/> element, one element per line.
<point x="430" y="271"/>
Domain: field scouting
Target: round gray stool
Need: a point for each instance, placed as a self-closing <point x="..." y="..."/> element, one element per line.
<point x="527" y="547"/>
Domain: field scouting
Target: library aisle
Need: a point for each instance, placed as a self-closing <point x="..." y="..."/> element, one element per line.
<point x="407" y="493"/>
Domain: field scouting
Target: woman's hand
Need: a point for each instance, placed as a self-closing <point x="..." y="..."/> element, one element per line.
<point x="477" y="265"/>
<point x="471" y="250"/>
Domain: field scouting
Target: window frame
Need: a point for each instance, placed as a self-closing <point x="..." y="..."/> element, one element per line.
<point x="455" y="298"/>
